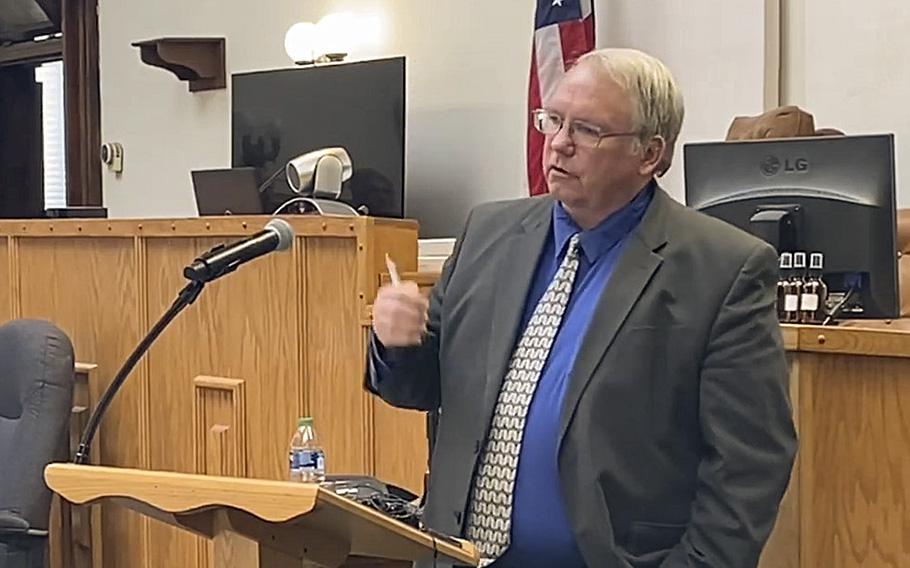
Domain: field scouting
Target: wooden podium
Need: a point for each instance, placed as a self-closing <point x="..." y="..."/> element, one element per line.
<point x="257" y="523"/>
<point x="221" y="390"/>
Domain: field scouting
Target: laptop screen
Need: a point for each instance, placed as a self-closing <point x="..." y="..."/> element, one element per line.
<point x="230" y="191"/>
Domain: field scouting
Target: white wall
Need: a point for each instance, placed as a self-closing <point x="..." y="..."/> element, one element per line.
<point x="466" y="80"/>
<point x="467" y="67"/>
<point x="715" y="50"/>
<point x="165" y="130"/>
<point x="849" y="67"/>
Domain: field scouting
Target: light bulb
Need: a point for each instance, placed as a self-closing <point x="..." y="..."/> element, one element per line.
<point x="299" y="42"/>
<point x="336" y="34"/>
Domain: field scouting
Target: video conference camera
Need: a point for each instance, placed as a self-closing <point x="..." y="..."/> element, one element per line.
<point x="317" y="176"/>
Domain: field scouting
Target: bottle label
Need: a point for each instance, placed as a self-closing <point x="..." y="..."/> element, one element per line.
<point x="308" y="460"/>
<point x="809" y="302"/>
<point x="791" y="303"/>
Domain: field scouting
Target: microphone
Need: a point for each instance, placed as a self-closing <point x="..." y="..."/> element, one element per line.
<point x="225" y="258"/>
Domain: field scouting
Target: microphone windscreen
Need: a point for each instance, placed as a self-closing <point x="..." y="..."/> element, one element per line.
<point x="284" y="231"/>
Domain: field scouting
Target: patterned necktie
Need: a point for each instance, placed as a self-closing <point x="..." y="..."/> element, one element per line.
<point x="490" y="511"/>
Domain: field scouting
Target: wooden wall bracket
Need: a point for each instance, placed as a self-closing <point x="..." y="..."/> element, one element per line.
<point x="199" y="60"/>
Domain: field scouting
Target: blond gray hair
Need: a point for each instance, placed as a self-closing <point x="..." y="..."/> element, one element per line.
<point x="656" y="99"/>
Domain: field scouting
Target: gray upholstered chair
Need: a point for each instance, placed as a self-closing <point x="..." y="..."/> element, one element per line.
<point x="36" y="396"/>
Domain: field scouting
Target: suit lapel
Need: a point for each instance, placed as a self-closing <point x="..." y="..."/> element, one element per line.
<point x="634" y="269"/>
<point x="514" y="273"/>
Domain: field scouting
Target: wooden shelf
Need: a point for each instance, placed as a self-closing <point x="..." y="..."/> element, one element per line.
<point x="198" y="60"/>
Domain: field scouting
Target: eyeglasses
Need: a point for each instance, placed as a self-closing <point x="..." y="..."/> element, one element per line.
<point x="549" y="123"/>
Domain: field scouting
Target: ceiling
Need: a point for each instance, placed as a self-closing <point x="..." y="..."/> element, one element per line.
<point x="21" y="20"/>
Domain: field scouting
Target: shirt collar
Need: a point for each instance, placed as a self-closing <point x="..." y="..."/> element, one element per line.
<point x="597" y="241"/>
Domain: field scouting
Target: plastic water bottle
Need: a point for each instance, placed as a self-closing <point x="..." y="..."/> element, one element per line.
<point x="307" y="458"/>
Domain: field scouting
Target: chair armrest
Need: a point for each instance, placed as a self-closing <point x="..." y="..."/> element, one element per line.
<point x="12" y="524"/>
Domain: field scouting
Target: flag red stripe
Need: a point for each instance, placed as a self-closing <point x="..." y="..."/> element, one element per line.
<point x="573" y="36"/>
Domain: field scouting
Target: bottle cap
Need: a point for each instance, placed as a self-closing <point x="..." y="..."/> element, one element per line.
<point x="304" y="421"/>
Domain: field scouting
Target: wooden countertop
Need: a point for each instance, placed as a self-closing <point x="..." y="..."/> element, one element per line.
<point x="847" y="340"/>
<point x="304" y="225"/>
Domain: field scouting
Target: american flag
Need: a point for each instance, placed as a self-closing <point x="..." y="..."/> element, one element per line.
<point x="563" y="32"/>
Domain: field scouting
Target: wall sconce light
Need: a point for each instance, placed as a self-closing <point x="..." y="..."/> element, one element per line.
<point x="332" y="39"/>
<point x="336" y="35"/>
<point x="300" y="43"/>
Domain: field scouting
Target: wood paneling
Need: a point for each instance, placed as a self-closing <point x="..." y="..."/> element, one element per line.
<point x="6" y="281"/>
<point x="790" y="335"/>
<point x="382" y="239"/>
<point x="219" y="416"/>
<point x="782" y="548"/>
<point x="243" y="325"/>
<point x="335" y="396"/>
<point x="89" y="288"/>
<point x="290" y="325"/>
<point x="855" y="341"/>
<point x="228" y="226"/>
<point x="856" y="462"/>
<point x="75" y="539"/>
<point x="400" y="446"/>
<point x="87" y="523"/>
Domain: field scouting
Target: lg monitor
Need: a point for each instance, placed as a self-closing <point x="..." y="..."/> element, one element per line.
<point x="834" y="195"/>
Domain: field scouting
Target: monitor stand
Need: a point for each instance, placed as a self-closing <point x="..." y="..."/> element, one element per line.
<point x="777" y="225"/>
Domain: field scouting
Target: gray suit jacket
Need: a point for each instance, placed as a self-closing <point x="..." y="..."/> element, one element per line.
<point x="676" y="437"/>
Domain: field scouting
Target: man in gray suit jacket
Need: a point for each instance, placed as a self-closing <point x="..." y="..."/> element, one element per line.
<point x="607" y="364"/>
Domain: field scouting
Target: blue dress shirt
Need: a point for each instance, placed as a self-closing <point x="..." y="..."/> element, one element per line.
<point x="541" y="533"/>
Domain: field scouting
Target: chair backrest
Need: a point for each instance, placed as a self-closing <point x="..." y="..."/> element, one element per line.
<point x="36" y="395"/>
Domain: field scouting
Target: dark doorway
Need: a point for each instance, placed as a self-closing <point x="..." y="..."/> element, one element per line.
<point x="21" y="162"/>
<point x="32" y="34"/>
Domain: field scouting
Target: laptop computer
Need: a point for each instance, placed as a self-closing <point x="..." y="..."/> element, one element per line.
<point x="227" y="191"/>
